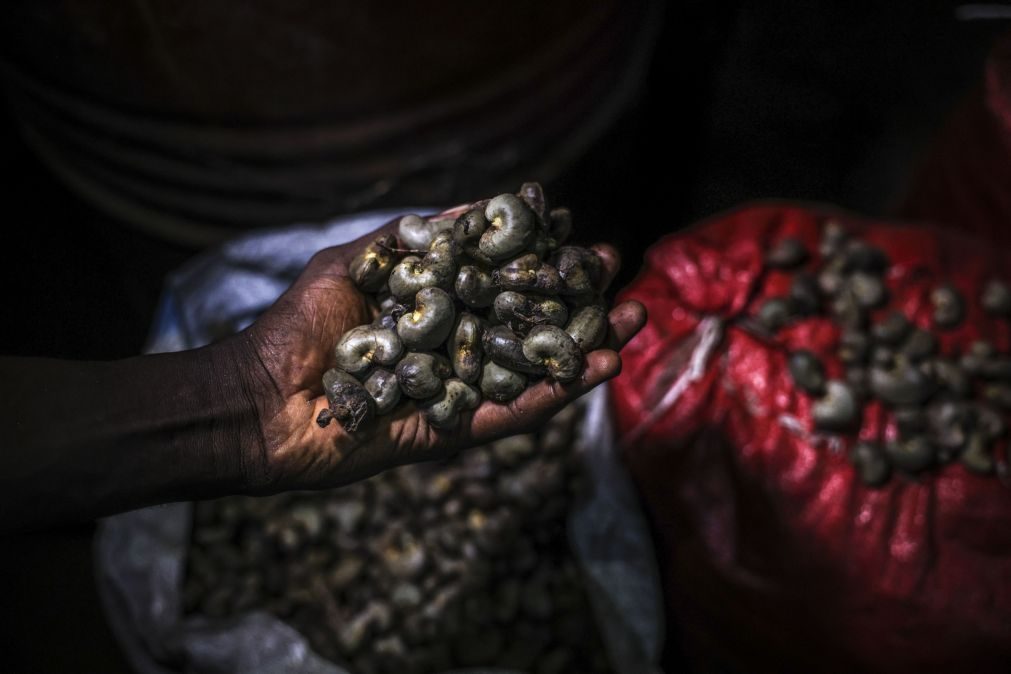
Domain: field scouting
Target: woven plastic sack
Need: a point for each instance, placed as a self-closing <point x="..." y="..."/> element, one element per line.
<point x="774" y="556"/>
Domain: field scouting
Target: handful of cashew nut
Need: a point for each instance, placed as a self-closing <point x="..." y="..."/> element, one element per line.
<point x="475" y="303"/>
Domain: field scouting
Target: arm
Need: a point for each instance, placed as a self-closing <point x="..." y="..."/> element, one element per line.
<point x="88" y="439"/>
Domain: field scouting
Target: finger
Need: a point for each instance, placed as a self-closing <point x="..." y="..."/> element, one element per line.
<point x="611" y="259"/>
<point x="626" y="319"/>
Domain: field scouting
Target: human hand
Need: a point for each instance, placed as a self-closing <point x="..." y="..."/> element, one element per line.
<point x="284" y="354"/>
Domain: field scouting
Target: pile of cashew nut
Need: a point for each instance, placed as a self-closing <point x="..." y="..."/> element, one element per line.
<point x="475" y="303"/>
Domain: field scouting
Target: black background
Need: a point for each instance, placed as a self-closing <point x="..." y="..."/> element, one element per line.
<point x="823" y="101"/>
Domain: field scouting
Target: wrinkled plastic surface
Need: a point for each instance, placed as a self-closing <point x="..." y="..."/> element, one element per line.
<point x="140" y="556"/>
<point x="773" y="555"/>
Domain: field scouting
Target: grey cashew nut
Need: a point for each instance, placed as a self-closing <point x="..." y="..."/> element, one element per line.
<point x="501" y="384"/>
<point x="504" y="347"/>
<point x="421" y="374"/>
<point x="475" y="287"/>
<point x="389" y="315"/>
<point x="382" y="385"/>
<point x="349" y="403"/>
<point x="520" y="312"/>
<point x="588" y="327"/>
<point x="431" y="321"/>
<point x="441" y="411"/>
<point x="371" y="267"/>
<point x="528" y="273"/>
<point x="468" y="230"/>
<point x="511" y="227"/>
<point x="552" y="347"/>
<point x="465" y="347"/>
<point x="417" y="233"/>
<point x="436" y="270"/>
<point x="559" y="225"/>
<point x="533" y="195"/>
<point x="362" y="347"/>
<point x="580" y="269"/>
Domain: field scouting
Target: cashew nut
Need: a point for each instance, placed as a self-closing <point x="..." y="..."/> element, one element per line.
<point x="420" y="374"/>
<point x="389" y="315"/>
<point x="362" y="347"/>
<point x="371" y="267"/>
<point x="511" y="227"/>
<point x="349" y="403"/>
<point x="465" y="349"/>
<point x="431" y="321"/>
<point x="588" y="327"/>
<point x="500" y="383"/>
<point x="382" y="385"/>
<point x="436" y="270"/>
<point x="533" y="195"/>
<point x="520" y="311"/>
<point x="504" y="347"/>
<point x="526" y="273"/>
<point x="475" y="287"/>
<point x="550" y="346"/>
<point x="441" y="410"/>
<point x="559" y="225"/>
<point x="579" y="268"/>
<point x="417" y="233"/>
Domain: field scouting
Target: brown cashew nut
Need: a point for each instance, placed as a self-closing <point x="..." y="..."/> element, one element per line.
<point x="528" y="273"/>
<point x="349" y="403"/>
<point x="511" y="227"/>
<point x="520" y="312"/>
<point x="382" y="385"/>
<point x="441" y="411"/>
<point x="420" y="374"/>
<point x="550" y="346"/>
<point x="500" y="384"/>
<point x="588" y="327"/>
<point x="417" y="233"/>
<point x="430" y="323"/>
<point x="362" y="347"/>
<point x="475" y="287"/>
<point x="505" y="347"/>
<point x="465" y="347"/>
<point x="436" y="270"/>
<point x="371" y="267"/>
<point x="580" y="269"/>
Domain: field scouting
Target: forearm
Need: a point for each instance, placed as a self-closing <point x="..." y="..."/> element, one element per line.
<point x="86" y="439"/>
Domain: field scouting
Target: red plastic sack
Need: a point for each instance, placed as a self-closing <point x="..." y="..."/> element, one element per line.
<point x="774" y="555"/>
<point x="963" y="180"/>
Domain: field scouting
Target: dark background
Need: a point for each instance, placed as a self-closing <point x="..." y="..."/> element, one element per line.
<point x="815" y="101"/>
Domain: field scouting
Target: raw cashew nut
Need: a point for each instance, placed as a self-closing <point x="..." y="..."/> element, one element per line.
<point x="528" y="273"/>
<point x="560" y="225"/>
<point x="436" y="270"/>
<point x="389" y="315"/>
<point x="511" y="227"/>
<point x="467" y="232"/>
<point x="520" y="311"/>
<point x="441" y="411"/>
<point x="362" y="347"/>
<point x="382" y="385"/>
<point x="500" y="383"/>
<point x="420" y="374"/>
<point x="579" y="268"/>
<point x="431" y="321"/>
<point x="504" y="347"/>
<point x="465" y="348"/>
<point x="417" y="233"/>
<point x="588" y="327"/>
<point x="533" y="195"/>
<point x="475" y="287"/>
<point x="552" y="347"/>
<point x="350" y="404"/>
<point x="371" y="267"/>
